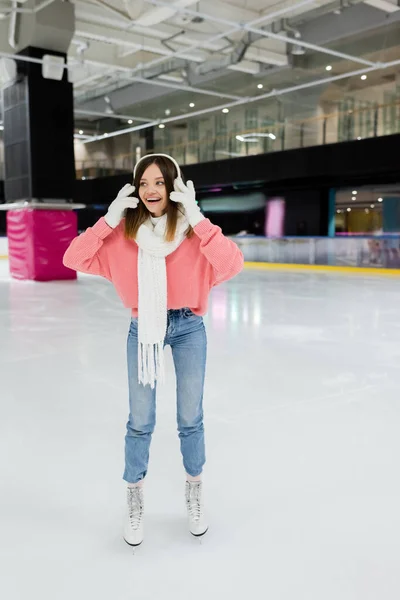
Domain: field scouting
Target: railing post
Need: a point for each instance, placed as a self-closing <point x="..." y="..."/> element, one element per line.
<point x="302" y="135"/>
<point x="376" y="114"/>
<point x="324" y="131"/>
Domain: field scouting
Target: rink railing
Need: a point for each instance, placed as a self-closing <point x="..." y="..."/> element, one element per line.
<point x="380" y="252"/>
<point x="353" y="123"/>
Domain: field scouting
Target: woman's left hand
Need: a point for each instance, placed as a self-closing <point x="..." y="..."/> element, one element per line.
<point x="186" y="195"/>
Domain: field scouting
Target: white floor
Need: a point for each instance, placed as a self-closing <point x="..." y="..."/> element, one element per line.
<point x="303" y="440"/>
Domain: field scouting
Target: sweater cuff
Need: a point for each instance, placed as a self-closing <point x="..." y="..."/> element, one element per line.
<point x="102" y="229"/>
<point x="203" y="227"/>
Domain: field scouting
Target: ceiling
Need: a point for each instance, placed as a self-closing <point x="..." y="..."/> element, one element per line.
<point x="370" y="197"/>
<point x="136" y="59"/>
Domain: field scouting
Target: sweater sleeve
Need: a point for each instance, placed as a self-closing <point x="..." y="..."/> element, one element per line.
<point x="222" y="253"/>
<point x="88" y="252"/>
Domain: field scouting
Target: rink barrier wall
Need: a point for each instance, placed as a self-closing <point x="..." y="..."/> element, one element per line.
<point x="374" y="255"/>
<point x="322" y="269"/>
<point x="341" y="252"/>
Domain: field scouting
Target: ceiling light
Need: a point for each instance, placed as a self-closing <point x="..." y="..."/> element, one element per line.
<point x="380" y="199"/>
<point x="339" y="211"/>
<point x="80" y="132"/>
<point x="225" y="110"/>
<point x="372" y="205"/>
<point x="107" y="99"/>
<point x="167" y="112"/>
<point x="353" y="198"/>
<point x="363" y="77"/>
<point x="260" y="86"/>
<point x="106" y="134"/>
<point x="354" y="192"/>
<point x="349" y="210"/>
<point x="328" y="67"/>
<point x="83" y="178"/>
<point x="359" y="138"/>
<point x="161" y="126"/>
<point x="298" y="50"/>
<point x="367" y="211"/>
<point x="252" y="137"/>
<point x="192" y="105"/>
<point x="1" y="127"/>
<point x="130" y="121"/>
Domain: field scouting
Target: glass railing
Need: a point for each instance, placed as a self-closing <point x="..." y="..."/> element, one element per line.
<point x="361" y="251"/>
<point x="330" y="128"/>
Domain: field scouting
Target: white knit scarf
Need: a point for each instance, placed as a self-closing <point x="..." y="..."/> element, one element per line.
<point x="152" y="285"/>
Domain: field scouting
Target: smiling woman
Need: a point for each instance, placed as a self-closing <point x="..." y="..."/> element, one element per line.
<point x="154" y="178"/>
<point x="166" y="279"/>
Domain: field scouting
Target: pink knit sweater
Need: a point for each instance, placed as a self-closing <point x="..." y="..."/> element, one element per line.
<point x="198" y="264"/>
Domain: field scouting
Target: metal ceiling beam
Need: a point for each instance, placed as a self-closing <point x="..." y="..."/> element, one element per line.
<point x="28" y="11"/>
<point x="112" y="10"/>
<point x="121" y="95"/>
<point x="236" y="27"/>
<point x="163" y="84"/>
<point x="384" y="5"/>
<point x="98" y="33"/>
<point x="184" y="88"/>
<point x="272" y="94"/>
<point x="353" y="21"/>
<point x="264" y="33"/>
<point x="95" y="113"/>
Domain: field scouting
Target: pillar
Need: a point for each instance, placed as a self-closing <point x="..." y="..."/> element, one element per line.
<point x="38" y="133"/>
<point x="38" y="142"/>
<point x="391" y="214"/>
<point x="332" y="213"/>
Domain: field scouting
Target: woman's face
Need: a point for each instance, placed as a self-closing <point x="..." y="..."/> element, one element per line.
<point x="153" y="192"/>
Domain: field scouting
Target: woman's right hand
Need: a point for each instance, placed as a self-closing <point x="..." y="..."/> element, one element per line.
<point x="117" y="208"/>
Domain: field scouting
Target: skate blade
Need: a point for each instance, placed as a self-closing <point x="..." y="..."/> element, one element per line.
<point x="134" y="546"/>
<point x="199" y="536"/>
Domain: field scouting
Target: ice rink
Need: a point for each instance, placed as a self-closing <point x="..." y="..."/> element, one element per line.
<point x="302" y="483"/>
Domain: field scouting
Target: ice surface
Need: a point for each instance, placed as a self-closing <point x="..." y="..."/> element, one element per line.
<point x="303" y="445"/>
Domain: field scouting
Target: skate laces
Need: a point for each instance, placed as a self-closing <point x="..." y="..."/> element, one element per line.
<point x="193" y="500"/>
<point x="135" y="506"/>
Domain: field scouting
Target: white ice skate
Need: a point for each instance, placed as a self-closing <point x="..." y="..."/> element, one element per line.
<point x="194" y="504"/>
<point x="133" y="527"/>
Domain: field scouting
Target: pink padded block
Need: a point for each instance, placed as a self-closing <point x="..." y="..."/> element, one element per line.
<point x="37" y="240"/>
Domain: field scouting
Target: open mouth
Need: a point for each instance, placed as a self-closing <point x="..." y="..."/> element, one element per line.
<point x="153" y="200"/>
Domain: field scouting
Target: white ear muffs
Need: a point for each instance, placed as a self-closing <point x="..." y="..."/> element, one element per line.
<point x="165" y="156"/>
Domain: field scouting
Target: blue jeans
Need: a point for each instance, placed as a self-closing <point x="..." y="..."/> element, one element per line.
<point x="186" y="335"/>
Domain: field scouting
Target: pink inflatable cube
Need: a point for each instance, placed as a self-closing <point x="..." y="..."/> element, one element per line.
<point x="37" y="240"/>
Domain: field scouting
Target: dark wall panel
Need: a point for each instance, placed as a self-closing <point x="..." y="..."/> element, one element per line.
<point x="39" y="129"/>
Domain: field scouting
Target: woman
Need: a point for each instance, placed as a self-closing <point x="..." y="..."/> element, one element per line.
<point x="163" y="257"/>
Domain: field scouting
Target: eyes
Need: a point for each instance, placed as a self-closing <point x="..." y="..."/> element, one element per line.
<point x="158" y="183"/>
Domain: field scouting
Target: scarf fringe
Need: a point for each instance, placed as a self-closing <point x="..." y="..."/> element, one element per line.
<point x="151" y="363"/>
<point x="152" y="295"/>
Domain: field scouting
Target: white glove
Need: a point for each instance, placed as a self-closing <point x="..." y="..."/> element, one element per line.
<point x="117" y="208"/>
<point x="186" y="195"/>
